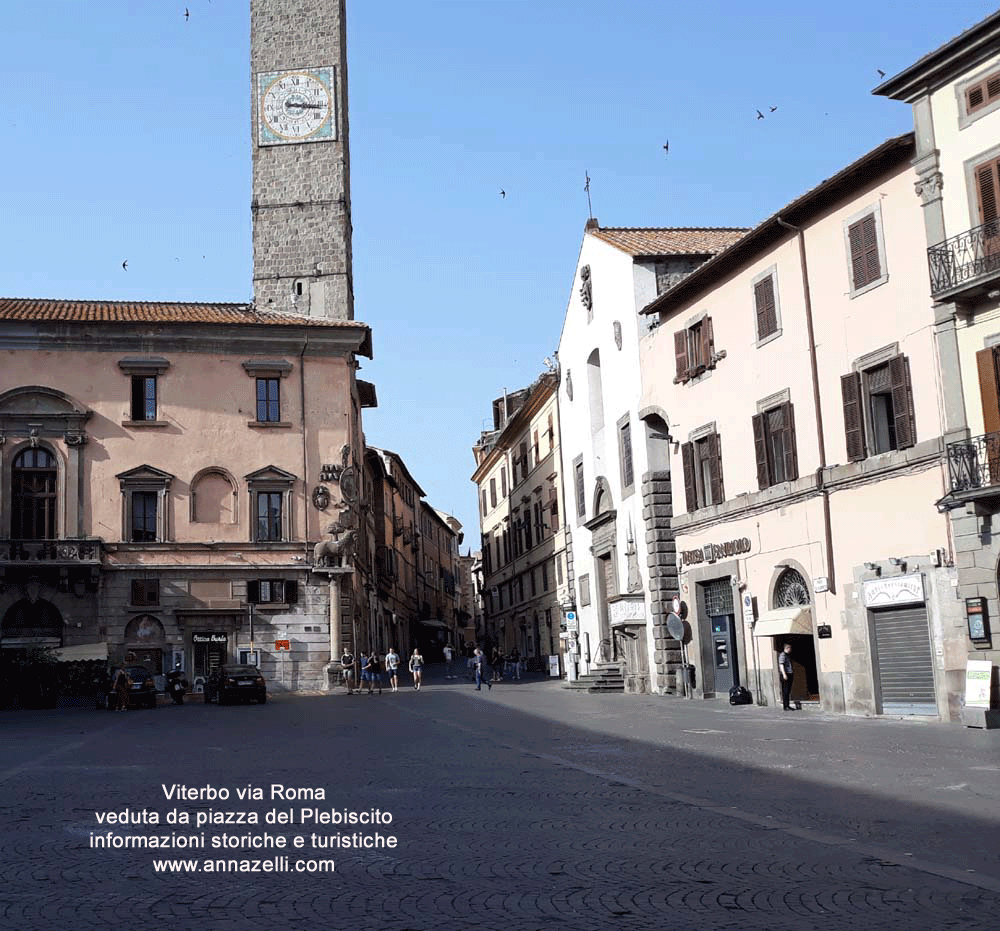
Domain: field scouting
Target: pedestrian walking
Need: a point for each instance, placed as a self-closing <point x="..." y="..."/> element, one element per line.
<point x="374" y="673"/>
<point x="515" y="659"/>
<point x="416" y="668"/>
<point x="787" y="671"/>
<point x="496" y="661"/>
<point x="479" y="661"/>
<point x="366" y="672"/>
<point x="392" y="668"/>
<point x="120" y="683"/>
<point x="449" y="655"/>
<point x="347" y="669"/>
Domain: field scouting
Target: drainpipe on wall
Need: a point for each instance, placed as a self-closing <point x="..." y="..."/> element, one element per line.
<point x="817" y="407"/>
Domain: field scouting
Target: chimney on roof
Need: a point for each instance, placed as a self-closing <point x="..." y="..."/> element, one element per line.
<point x="592" y="224"/>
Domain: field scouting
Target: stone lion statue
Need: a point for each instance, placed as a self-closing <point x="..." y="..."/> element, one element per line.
<point x="338" y="548"/>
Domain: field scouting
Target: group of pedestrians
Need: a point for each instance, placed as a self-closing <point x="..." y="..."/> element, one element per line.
<point x="372" y="667"/>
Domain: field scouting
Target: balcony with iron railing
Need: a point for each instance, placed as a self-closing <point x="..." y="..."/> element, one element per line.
<point x="966" y="264"/>
<point x="973" y="469"/>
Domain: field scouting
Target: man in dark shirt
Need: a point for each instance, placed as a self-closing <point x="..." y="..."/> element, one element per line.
<point x="347" y="662"/>
<point x="787" y="672"/>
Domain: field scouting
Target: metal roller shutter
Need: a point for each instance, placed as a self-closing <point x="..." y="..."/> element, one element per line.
<point x="904" y="660"/>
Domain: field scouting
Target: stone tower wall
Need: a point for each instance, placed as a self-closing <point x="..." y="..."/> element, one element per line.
<point x="301" y="191"/>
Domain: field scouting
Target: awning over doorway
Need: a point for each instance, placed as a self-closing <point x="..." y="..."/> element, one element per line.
<point x="794" y="620"/>
<point x="439" y="624"/>
<point x="82" y="651"/>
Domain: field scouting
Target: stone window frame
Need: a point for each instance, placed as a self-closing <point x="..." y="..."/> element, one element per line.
<point x="145" y="479"/>
<point x="628" y="489"/>
<point x="268" y="368"/>
<point x="271" y="480"/>
<point x="144" y="367"/>
<point x="874" y="210"/>
<point x="969" y="167"/>
<point x="770" y="272"/>
<point x="965" y="118"/>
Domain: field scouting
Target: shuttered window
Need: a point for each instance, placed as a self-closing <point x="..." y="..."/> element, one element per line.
<point x="694" y="350"/>
<point x="982" y="93"/>
<point x="865" y="264"/>
<point x="987" y="189"/>
<point x="581" y="501"/>
<point x="625" y="454"/>
<point x="702" y="465"/>
<point x="767" y="313"/>
<point x="774" y="446"/>
<point x="878" y="409"/>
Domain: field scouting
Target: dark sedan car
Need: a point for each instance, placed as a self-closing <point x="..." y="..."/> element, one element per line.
<point x="235" y="683"/>
<point x="142" y="691"/>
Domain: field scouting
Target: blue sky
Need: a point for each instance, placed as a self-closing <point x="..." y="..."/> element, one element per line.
<point x="127" y="135"/>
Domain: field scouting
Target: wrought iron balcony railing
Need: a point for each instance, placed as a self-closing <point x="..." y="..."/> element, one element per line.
<point x="974" y="464"/>
<point x="966" y="259"/>
<point x="51" y="552"/>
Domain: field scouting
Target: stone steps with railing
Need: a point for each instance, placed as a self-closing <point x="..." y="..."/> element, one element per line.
<point x="603" y="677"/>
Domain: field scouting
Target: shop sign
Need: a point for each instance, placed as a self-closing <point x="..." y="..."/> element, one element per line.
<point x="899" y="590"/>
<point x="712" y="552"/>
<point x="209" y="638"/>
<point x="626" y="609"/>
<point x="978" y="673"/>
<point x="748" y="617"/>
<point x="282" y="645"/>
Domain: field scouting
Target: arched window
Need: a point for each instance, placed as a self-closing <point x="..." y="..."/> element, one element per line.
<point x="33" y="495"/>
<point x="790" y="590"/>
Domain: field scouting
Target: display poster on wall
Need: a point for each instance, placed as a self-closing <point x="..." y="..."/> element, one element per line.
<point x="978" y="673"/>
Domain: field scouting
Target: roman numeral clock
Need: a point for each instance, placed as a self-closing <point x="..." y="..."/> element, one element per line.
<point x="296" y="106"/>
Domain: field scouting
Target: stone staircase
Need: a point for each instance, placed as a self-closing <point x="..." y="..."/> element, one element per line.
<point x="603" y="677"/>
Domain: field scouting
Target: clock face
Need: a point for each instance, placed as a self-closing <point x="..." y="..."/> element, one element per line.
<point x="296" y="106"/>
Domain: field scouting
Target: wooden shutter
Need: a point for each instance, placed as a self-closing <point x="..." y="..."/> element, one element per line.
<point x="986" y="363"/>
<point x="690" y="490"/>
<point x="715" y="468"/>
<point x="707" y="342"/>
<point x="791" y="451"/>
<point x="902" y="401"/>
<point x="767" y="320"/>
<point x="760" y="449"/>
<point x="854" y="424"/>
<point x="986" y="190"/>
<point x="863" y="238"/>
<point x="681" y="354"/>
<point x="982" y="93"/>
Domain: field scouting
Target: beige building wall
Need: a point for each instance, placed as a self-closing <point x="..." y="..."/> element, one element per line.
<point x="845" y="530"/>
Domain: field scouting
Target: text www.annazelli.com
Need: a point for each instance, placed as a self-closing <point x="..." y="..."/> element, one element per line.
<point x="275" y="865"/>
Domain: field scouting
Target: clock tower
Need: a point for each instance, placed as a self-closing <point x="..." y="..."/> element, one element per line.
<point x="301" y="162"/>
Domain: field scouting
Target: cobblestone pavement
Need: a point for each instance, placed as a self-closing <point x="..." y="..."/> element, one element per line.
<point x="514" y="809"/>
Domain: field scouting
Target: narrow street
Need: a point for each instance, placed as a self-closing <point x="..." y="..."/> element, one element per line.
<point x="513" y="808"/>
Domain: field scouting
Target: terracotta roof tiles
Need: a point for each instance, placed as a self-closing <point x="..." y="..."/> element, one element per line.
<point x="637" y="241"/>
<point x="38" y="310"/>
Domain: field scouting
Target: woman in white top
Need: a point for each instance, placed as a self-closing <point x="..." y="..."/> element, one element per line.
<point x="416" y="667"/>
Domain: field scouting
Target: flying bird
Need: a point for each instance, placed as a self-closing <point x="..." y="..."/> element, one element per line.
<point x="503" y="193"/>
<point x="881" y="73"/>
<point x="760" y="115"/>
<point x="187" y="13"/>
<point x="773" y="109"/>
<point x="666" y="147"/>
<point x="125" y="265"/>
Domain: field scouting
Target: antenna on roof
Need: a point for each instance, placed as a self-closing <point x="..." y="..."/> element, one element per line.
<point x="586" y="187"/>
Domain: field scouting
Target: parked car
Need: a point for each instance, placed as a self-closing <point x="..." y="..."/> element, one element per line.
<point x="235" y="683"/>
<point x="142" y="691"/>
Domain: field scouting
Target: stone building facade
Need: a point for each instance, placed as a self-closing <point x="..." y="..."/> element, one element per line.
<point x="955" y="95"/>
<point x="622" y="566"/>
